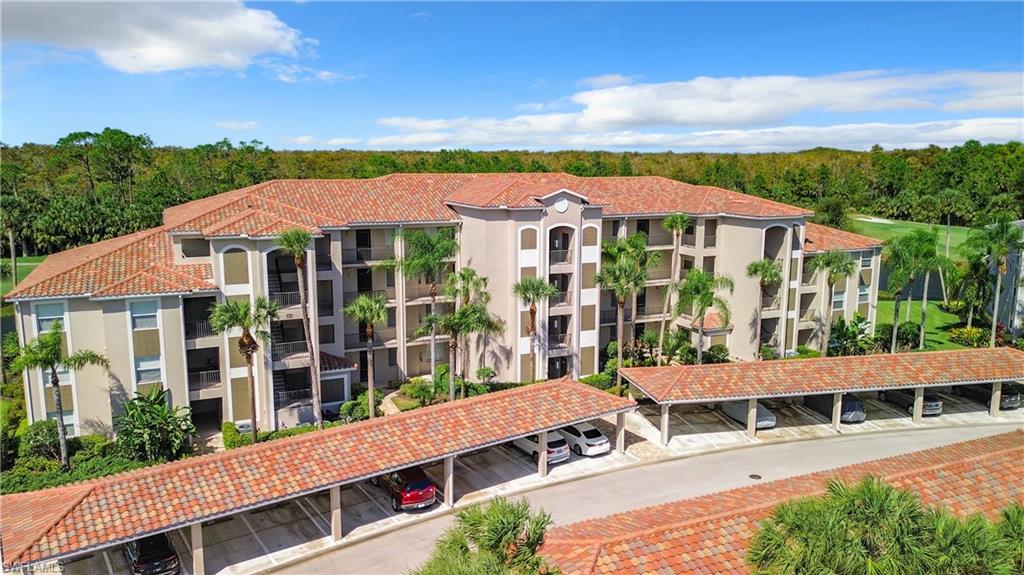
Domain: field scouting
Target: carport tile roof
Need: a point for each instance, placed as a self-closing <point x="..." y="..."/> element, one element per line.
<point x="112" y="509"/>
<point x="709" y="534"/>
<point x="780" y="378"/>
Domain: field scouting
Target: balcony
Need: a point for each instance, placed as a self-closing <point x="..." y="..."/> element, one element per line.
<point x="710" y="240"/>
<point x="286" y="349"/>
<point x="560" y="298"/>
<point x="557" y="340"/>
<point x="608" y="315"/>
<point x="198" y="329"/>
<point x="809" y="314"/>
<point x="556" y="257"/>
<point x="286" y="298"/>
<point x="770" y="302"/>
<point x="388" y="295"/>
<point x="648" y="312"/>
<point x="291" y="396"/>
<point x="659" y="239"/>
<point x="380" y="337"/>
<point x="323" y="263"/>
<point x="659" y="274"/>
<point x="351" y="256"/>
<point x="689" y="240"/>
<point x="203" y="380"/>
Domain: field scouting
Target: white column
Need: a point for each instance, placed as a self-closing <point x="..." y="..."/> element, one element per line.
<point x="997" y="398"/>
<point x="918" y="403"/>
<point x="837" y="410"/>
<point x="664" y="424"/>
<point x="449" y="481"/>
<point x="620" y="432"/>
<point x="752" y="418"/>
<point x="542" y="454"/>
<point x="198" y="564"/>
<point x="336" y="513"/>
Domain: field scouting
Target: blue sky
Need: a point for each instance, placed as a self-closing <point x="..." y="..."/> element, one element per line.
<point x="651" y="76"/>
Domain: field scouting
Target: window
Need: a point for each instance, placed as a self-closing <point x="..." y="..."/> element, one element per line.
<point x="69" y="418"/>
<point x="839" y="300"/>
<point x="392" y="357"/>
<point x="147" y="369"/>
<point x="326" y="333"/>
<point x="865" y="260"/>
<point x="389" y="277"/>
<point x="864" y="294"/>
<point x="195" y="248"/>
<point x="391" y="317"/>
<point x="48" y="314"/>
<point x="143" y="314"/>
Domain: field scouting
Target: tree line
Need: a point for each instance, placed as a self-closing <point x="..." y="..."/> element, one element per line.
<point x="90" y="186"/>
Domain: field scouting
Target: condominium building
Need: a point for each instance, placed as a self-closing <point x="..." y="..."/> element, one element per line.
<point x="143" y="300"/>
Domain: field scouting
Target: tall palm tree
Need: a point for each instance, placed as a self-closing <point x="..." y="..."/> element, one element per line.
<point x="254" y="322"/>
<point x="619" y="275"/>
<point x="426" y="257"/>
<point x="371" y="310"/>
<point x="973" y="283"/>
<point x="836" y="264"/>
<point x="901" y="254"/>
<point x="531" y="291"/>
<point x="676" y="224"/>
<point x="769" y="274"/>
<point x="454" y="324"/>
<point x="294" y="243"/>
<point x="997" y="241"/>
<point x="952" y="202"/>
<point x="466" y="286"/>
<point x="699" y="292"/>
<point x="634" y="248"/>
<point x="930" y="260"/>
<point x="46" y="353"/>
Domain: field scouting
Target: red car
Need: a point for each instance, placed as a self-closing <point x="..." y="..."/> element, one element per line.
<point x="409" y="488"/>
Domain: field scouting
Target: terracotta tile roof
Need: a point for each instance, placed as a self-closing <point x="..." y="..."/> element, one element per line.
<point x="331" y="362"/>
<point x="136" y="264"/>
<point x="819" y="238"/>
<point x="710" y="534"/>
<point x="743" y="380"/>
<point x="113" y="509"/>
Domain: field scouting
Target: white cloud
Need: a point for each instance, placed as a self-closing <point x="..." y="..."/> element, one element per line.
<point x="606" y="80"/>
<point x="300" y="140"/>
<point x="292" y="73"/>
<point x="140" y="37"/>
<point x="343" y="141"/>
<point x="232" y="125"/>
<point x="307" y="141"/>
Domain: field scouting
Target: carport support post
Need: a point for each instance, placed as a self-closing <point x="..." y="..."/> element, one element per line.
<point x="198" y="564"/>
<point x="620" y="432"/>
<point x="997" y="398"/>
<point x="664" y="424"/>
<point x="449" y="481"/>
<point x="542" y="454"/>
<point x="837" y="410"/>
<point x="752" y="418"/>
<point x="918" y="403"/>
<point x="336" y="513"/>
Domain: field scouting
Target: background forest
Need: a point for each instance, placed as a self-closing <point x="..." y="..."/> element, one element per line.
<point x="92" y="186"/>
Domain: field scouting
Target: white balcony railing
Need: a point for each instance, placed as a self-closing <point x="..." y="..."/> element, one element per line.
<point x="197" y="329"/>
<point x="200" y="380"/>
<point x="286" y="298"/>
<point x="287" y="349"/>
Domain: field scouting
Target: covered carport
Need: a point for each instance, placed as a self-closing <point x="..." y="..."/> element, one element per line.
<point x="760" y="380"/>
<point x="66" y="521"/>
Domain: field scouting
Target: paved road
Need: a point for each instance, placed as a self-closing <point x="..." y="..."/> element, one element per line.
<point x="399" y="551"/>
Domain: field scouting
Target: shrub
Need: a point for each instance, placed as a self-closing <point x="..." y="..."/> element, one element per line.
<point x="151" y="429"/>
<point x="359" y="408"/>
<point x="717" y="353"/>
<point x="601" y="381"/>
<point x="32" y="473"/>
<point x="421" y="390"/>
<point x="40" y="440"/>
<point x="804" y="352"/>
<point x="232" y="438"/>
<point x="485" y="374"/>
<point x="769" y="352"/>
<point x="969" y="336"/>
<point x="954" y="306"/>
<point x="906" y="336"/>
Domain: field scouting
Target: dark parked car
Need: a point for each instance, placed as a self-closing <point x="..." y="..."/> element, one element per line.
<point x="151" y="555"/>
<point x="409" y="488"/>
<point x="853" y="410"/>
<point x="1010" y="397"/>
<point x="905" y="398"/>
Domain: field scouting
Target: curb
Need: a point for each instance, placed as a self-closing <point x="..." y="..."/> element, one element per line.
<point x="441" y="512"/>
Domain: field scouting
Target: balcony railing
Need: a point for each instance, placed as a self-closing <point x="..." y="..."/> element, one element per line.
<point x="659" y="239"/>
<point x="810" y="277"/>
<point x="323" y="263"/>
<point x="197" y="329"/>
<point x="292" y="395"/>
<point x="286" y="298"/>
<point x="770" y="302"/>
<point x="809" y="314"/>
<point x="609" y="315"/>
<point x="560" y="298"/>
<point x="387" y="294"/>
<point x="560" y="257"/>
<point x="648" y="311"/>
<point x="689" y="240"/>
<point x="609" y="238"/>
<point x="710" y="240"/>
<point x="359" y="340"/>
<point x="657" y="274"/>
<point x="287" y="349"/>
<point x="200" y="380"/>
<point x="559" y="339"/>
<point x="364" y="255"/>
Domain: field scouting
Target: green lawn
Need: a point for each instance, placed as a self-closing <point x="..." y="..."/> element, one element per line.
<point x="25" y="266"/>
<point x="894" y="228"/>
<point x="937" y="328"/>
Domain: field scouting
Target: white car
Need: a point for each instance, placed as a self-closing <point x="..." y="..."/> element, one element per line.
<point x="558" y="449"/>
<point x="738" y="410"/>
<point x="585" y="439"/>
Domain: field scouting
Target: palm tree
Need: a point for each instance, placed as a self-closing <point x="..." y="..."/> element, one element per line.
<point x="676" y="224"/>
<point x="370" y="310"/>
<point x="425" y="258"/>
<point x="531" y="291"/>
<point x="769" y="274"/>
<point x="952" y="202"/>
<point x="454" y="324"/>
<point x="836" y="264"/>
<point x="254" y="322"/>
<point x="634" y="249"/>
<point x="997" y="241"/>
<point x="294" y="242"/>
<point x="46" y="353"/>
<point x="466" y="286"/>
<point x="699" y="292"/>
<point x="620" y="276"/>
<point x="973" y="284"/>
<point x="901" y="254"/>
<point x="930" y="261"/>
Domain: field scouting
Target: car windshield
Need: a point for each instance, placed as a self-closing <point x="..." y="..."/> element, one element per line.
<point x="557" y="443"/>
<point x="932" y="398"/>
<point x="154" y="548"/>
<point x="418" y="484"/>
<point x="592" y="434"/>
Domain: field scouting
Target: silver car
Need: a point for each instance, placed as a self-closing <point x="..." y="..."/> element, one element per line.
<point x="558" y="449"/>
<point x="905" y="398"/>
<point x="852" y="410"/>
<point x="738" y="410"/>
